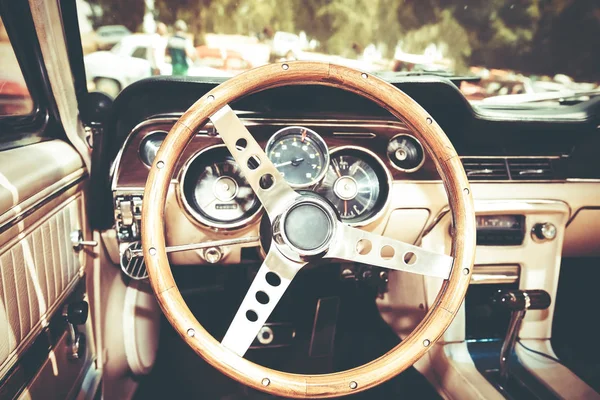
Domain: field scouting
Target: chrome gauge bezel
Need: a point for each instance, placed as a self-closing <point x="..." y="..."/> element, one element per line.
<point x="317" y="139"/>
<point x="143" y="141"/>
<point x="198" y="217"/>
<point x="388" y="181"/>
<point x="410" y="170"/>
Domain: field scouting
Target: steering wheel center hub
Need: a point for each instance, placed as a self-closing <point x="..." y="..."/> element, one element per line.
<point x="306" y="227"/>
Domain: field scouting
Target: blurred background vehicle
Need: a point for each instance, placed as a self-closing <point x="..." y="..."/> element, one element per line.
<point x="108" y="36"/>
<point x="222" y="59"/>
<point x="286" y="45"/>
<point x="128" y="61"/>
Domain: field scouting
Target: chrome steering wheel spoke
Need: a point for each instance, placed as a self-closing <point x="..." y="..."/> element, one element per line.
<point x="268" y="287"/>
<point x="352" y="244"/>
<point x="270" y="187"/>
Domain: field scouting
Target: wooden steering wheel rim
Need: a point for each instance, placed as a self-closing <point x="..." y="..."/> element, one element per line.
<point x="455" y="183"/>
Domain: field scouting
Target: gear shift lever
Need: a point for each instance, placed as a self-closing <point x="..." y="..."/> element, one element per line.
<point x="518" y="302"/>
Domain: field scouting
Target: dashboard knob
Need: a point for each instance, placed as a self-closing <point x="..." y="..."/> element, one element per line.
<point x="405" y="153"/>
<point x="545" y="231"/>
<point x="212" y="255"/>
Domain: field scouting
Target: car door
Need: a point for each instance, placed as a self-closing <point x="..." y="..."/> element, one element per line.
<point x="46" y="342"/>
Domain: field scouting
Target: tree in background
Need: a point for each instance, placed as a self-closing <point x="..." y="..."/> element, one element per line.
<point x="129" y="13"/>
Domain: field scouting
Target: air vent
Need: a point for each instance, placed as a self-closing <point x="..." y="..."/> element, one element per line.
<point x="485" y="169"/>
<point x="133" y="267"/>
<point x="530" y="168"/>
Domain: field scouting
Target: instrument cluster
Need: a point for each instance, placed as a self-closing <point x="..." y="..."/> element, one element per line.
<point x="353" y="179"/>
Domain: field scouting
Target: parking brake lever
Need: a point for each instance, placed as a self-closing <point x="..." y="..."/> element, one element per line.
<point x="518" y="302"/>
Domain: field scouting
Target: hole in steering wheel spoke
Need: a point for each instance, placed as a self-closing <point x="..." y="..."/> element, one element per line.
<point x="241" y="144"/>
<point x="253" y="162"/>
<point x="387" y="252"/>
<point x="363" y="247"/>
<point x="251" y="316"/>
<point x="273" y="279"/>
<point x="266" y="181"/>
<point x="410" y="258"/>
<point x="262" y="297"/>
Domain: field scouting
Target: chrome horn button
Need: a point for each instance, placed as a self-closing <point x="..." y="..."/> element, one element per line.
<point x="306" y="228"/>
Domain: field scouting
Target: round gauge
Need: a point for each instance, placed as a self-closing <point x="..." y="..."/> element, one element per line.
<point x="406" y="153"/>
<point x="215" y="192"/>
<point x="299" y="154"/>
<point x="150" y="145"/>
<point x="356" y="183"/>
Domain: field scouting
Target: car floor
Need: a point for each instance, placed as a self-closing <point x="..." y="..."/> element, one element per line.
<point x="576" y="328"/>
<point x="361" y="336"/>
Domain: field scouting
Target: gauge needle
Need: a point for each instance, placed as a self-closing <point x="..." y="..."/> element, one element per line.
<point x="345" y="207"/>
<point x="336" y="168"/>
<point x="295" y="162"/>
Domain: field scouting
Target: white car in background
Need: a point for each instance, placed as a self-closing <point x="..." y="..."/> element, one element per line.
<point x="109" y="35"/>
<point x="127" y="62"/>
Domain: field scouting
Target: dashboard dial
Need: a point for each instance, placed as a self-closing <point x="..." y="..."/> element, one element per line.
<point x="216" y="192"/>
<point x="406" y="153"/>
<point x="299" y="154"/>
<point x="356" y="183"/>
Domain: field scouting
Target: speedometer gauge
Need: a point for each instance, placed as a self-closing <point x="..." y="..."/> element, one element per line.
<point x="356" y="183"/>
<point x="299" y="154"/>
<point x="215" y="192"/>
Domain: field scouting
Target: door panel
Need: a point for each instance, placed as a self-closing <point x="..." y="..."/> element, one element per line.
<point x="36" y="272"/>
<point x="41" y="203"/>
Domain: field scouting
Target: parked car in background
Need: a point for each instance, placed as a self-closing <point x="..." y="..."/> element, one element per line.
<point x="286" y="45"/>
<point x="222" y="59"/>
<point x="109" y="35"/>
<point x="128" y="61"/>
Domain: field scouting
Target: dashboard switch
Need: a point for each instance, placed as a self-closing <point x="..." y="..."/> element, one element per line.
<point x="544" y="231"/>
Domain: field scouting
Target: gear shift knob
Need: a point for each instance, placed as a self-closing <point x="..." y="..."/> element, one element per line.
<point x="520" y="300"/>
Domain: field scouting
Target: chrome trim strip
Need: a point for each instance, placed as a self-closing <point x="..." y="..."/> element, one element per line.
<point x="12" y="221"/>
<point x="494" y="274"/>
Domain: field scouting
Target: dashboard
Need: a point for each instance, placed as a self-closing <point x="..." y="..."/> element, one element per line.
<point x="351" y="163"/>
<point x="366" y="163"/>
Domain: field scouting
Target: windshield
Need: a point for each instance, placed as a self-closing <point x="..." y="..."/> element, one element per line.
<point x="527" y="48"/>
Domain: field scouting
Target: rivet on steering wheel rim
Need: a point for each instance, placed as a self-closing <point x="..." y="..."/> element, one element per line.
<point x="353" y="385"/>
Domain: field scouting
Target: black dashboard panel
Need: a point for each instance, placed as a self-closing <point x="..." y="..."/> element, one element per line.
<point x="569" y="131"/>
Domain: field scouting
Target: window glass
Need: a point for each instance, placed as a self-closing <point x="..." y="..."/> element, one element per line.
<point x="512" y="52"/>
<point x="14" y="95"/>
<point x="140" y="52"/>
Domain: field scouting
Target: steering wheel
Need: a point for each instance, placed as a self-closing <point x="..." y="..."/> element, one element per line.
<point x="304" y="228"/>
